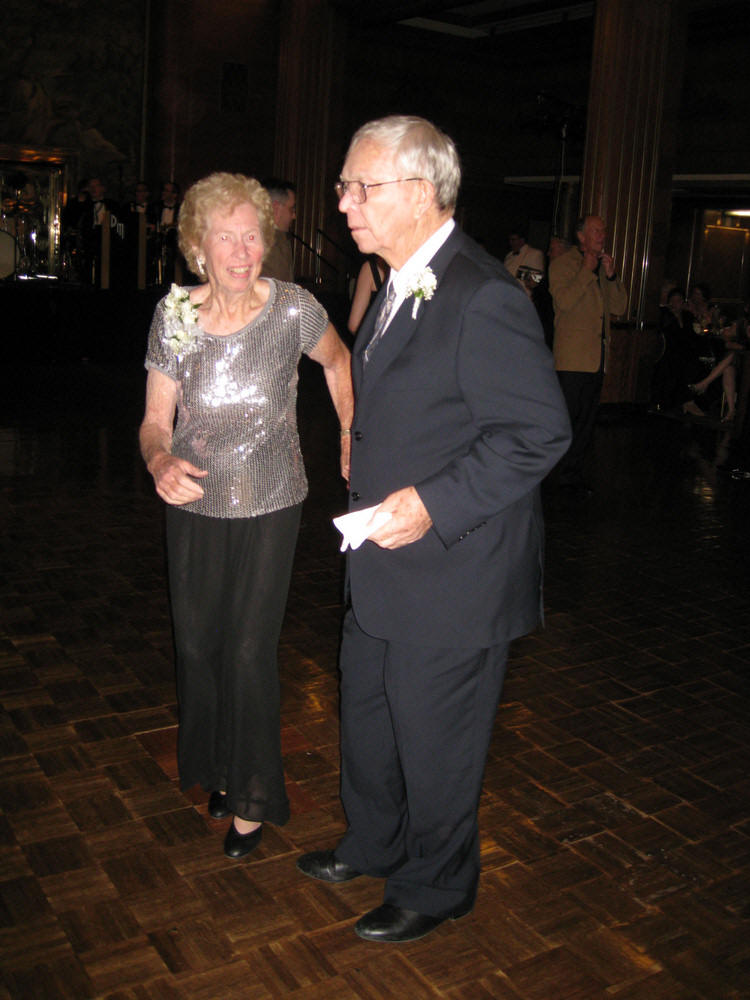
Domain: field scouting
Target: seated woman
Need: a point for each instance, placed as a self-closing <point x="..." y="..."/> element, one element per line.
<point x="734" y="335"/>
<point x="679" y="363"/>
<point x="709" y="359"/>
<point x="699" y="304"/>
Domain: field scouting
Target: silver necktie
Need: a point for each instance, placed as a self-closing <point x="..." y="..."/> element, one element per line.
<point x="381" y="320"/>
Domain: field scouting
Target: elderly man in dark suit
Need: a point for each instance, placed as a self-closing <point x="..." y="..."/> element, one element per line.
<point x="458" y="419"/>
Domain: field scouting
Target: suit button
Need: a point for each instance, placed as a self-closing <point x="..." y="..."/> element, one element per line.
<point x="358" y="435"/>
<point x="354" y="495"/>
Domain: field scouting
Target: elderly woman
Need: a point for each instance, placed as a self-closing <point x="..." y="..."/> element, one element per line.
<point x="223" y="356"/>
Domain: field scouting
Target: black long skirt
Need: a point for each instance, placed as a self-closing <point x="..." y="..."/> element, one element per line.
<point x="229" y="582"/>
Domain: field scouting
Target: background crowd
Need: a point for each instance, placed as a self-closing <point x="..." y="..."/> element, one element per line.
<point x="92" y="208"/>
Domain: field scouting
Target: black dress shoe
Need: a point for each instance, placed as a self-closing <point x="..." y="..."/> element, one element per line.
<point x="325" y="866"/>
<point x="217" y="805"/>
<point x="237" y="845"/>
<point x="396" y="925"/>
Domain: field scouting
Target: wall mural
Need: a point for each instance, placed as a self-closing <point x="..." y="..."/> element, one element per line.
<point x="71" y="78"/>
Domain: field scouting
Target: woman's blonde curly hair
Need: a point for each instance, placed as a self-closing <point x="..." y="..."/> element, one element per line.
<point x="221" y="192"/>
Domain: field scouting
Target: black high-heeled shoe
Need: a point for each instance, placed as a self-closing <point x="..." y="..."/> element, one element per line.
<point x="237" y="845"/>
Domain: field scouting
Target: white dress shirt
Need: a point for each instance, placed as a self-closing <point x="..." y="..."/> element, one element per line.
<point x="402" y="279"/>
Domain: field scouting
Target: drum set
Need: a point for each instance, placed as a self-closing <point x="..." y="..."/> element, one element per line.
<point x="24" y="234"/>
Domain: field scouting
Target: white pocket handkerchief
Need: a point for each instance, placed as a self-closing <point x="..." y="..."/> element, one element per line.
<point x="359" y="525"/>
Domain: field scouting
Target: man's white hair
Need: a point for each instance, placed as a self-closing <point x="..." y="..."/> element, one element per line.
<point x="421" y="150"/>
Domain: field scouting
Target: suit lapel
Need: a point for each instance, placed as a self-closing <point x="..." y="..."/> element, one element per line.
<point x="402" y="327"/>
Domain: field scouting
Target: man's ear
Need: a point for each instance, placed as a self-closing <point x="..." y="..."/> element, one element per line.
<point x="425" y="197"/>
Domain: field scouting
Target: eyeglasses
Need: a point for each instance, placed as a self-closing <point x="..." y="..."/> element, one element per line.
<point x="358" y="190"/>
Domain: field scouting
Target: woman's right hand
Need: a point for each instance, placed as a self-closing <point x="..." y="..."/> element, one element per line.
<point x="175" y="479"/>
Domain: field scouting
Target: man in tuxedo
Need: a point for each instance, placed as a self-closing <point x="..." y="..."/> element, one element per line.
<point x="141" y="207"/>
<point x="168" y="206"/>
<point x="167" y="211"/>
<point x="458" y="419"/>
<point x="523" y="259"/>
<point x="90" y="223"/>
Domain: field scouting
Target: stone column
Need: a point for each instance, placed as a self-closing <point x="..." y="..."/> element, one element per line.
<point x="308" y="131"/>
<point x="634" y="91"/>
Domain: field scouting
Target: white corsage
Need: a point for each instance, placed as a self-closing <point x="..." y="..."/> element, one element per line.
<point x="422" y="287"/>
<point x="180" y="321"/>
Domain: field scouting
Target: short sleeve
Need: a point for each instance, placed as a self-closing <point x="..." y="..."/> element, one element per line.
<point x="313" y="321"/>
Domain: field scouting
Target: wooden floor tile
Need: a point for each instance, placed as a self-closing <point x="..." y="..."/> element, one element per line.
<point x="615" y="813"/>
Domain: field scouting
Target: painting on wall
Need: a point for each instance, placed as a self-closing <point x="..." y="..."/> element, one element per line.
<point x="71" y="75"/>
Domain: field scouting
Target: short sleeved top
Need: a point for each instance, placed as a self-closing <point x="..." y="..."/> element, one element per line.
<point x="237" y="403"/>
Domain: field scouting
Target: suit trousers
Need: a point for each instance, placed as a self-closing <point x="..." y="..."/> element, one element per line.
<point x="416" y="723"/>
<point x="582" y="391"/>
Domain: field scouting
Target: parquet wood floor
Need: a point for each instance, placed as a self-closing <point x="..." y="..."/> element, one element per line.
<point x="616" y="812"/>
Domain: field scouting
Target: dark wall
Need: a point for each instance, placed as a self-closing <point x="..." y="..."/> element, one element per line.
<point x="502" y="100"/>
<point x="486" y="94"/>
<point x="714" y="134"/>
<point x="214" y="69"/>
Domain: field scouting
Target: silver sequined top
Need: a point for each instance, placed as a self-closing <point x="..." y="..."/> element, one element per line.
<point x="236" y="404"/>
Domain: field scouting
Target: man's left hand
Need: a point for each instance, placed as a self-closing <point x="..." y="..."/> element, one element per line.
<point x="408" y="522"/>
<point x="608" y="264"/>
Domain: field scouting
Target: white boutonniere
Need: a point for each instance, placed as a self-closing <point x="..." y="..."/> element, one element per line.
<point x="180" y="321"/>
<point x="422" y="287"/>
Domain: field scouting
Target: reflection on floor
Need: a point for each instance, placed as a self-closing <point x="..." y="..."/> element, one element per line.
<point x="616" y="812"/>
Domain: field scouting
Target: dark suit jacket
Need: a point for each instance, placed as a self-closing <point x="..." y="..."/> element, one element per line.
<point x="90" y="232"/>
<point x="462" y="403"/>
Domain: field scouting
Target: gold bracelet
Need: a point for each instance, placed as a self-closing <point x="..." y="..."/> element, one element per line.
<point x="345" y="431"/>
